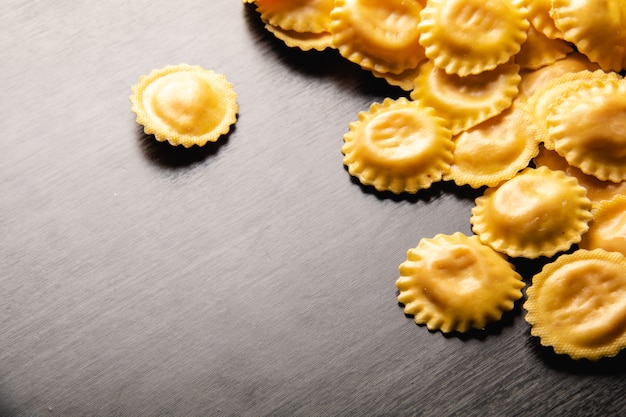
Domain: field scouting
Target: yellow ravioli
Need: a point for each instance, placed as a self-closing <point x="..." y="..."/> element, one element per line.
<point x="377" y="35"/>
<point x="596" y="28"/>
<point x="303" y="40"/>
<point x="471" y="36"/>
<point x="538" y="50"/>
<point x="398" y="146"/>
<point x="466" y="101"/>
<point x="493" y="151"/>
<point x="541" y="102"/>
<point x="577" y="304"/>
<point x="185" y="105"/>
<point x="404" y="80"/>
<point x="456" y="283"/>
<point x="597" y="190"/>
<point x="540" y="18"/>
<point x="607" y="230"/>
<point x="311" y="16"/>
<point x="539" y="212"/>
<point x="587" y="125"/>
<point x="532" y="80"/>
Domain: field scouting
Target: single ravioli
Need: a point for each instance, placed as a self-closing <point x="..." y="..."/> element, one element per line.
<point x="471" y="36"/>
<point x="493" y="151"/>
<point x="379" y="36"/>
<point x="539" y="212"/>
<point x="539" y="51"/>
<point x="184" y="105"/>
<point x="597" y="190"/>
<point x="311" y="16"/>
<point x="466" y="101"/>
<point x="577" y="304"/>
<point x="398" y="146"/>
<point x="596" y="28"/>
<point x="306" y="41"/>
<point x="587" y="124"/>
<point x="607" y="230"/>
<point x="456" y="283"/>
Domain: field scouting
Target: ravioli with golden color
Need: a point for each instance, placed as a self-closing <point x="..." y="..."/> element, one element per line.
<point x="466" y="37"/>
<point x="587" y="124"/>
<point x="185" y="105"/>
<point x="607" y="230"/>
<point x="539" y="212"/>
<point x="466" y="101"/>
<point x="577" y="304"/>
<point x="378" y="35"/>
<point x="492" y="152"/>
<point x="456" y="283"/>
<point x="398" y="146"/>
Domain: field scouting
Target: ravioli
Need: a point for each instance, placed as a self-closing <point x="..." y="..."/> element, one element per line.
<point x="577" y="304"/>
<point x="456" y="283"/>
<point x="539" y="212"/>
<point x="398" y="146"/>
<point x="486" y="33"/>
<point x="185" y="105"/>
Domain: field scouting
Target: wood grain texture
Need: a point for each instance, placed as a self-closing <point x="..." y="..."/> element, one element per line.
<point x="252" y="277"/>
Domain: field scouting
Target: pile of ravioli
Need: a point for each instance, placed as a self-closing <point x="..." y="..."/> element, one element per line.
<point x="521" y="100"/>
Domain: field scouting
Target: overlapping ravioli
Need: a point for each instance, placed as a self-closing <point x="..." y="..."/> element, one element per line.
<point x="607" y="230"/>
<point x="456" y="283"/>
<point x="577" y="304"/>
<point x="539" y="212"/>
<point x="398" y="146"/>
<point x="539" y="14"/>
<point x="492" y="152"/>
<point x="303" y="40"/>
<point x="378" y="35"/>
<point x="185" y="105"/>
<point x="540" y="104"/>
<point x="532" y="80"/>
<point x="597" y="190"/>
<point x="305" y="16"/>
<point x="587" y="124"/>
<point x="539" y="51"/>
<point x="596" y="28"/>
<point x="466" y="101"/>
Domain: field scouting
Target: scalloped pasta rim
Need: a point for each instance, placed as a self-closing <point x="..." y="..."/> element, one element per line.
<point x="539" y="104"/>
<point x="540" y="17"/>
<point x="506" y="150"/>
<point x="608" y="226"/>
<point x="443" y="304"/>
<point x="467" y="101"/>
<point x="358" y="36"/>
<point x="596" y="31"/>
<point x="597" y="190"/>
<point x="472" y="53"/>
<point x="564" y="127"/>
<point x="305" y="41"/>
<point x="550" y="327"/>
<point x="557" y="206"/>
<point x="305" y="16"/>
<point x="539" y="51"/>
<point x="162" y="130"/>
<point x="398" y="164"/>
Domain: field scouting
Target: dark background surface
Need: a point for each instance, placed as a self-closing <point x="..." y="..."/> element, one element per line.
<point x="252" y="277"/>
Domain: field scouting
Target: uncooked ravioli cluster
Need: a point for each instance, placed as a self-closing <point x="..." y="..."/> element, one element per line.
<point x="519" y="99"/>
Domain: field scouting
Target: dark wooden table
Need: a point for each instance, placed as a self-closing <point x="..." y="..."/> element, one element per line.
<point x="253" y="277"/>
